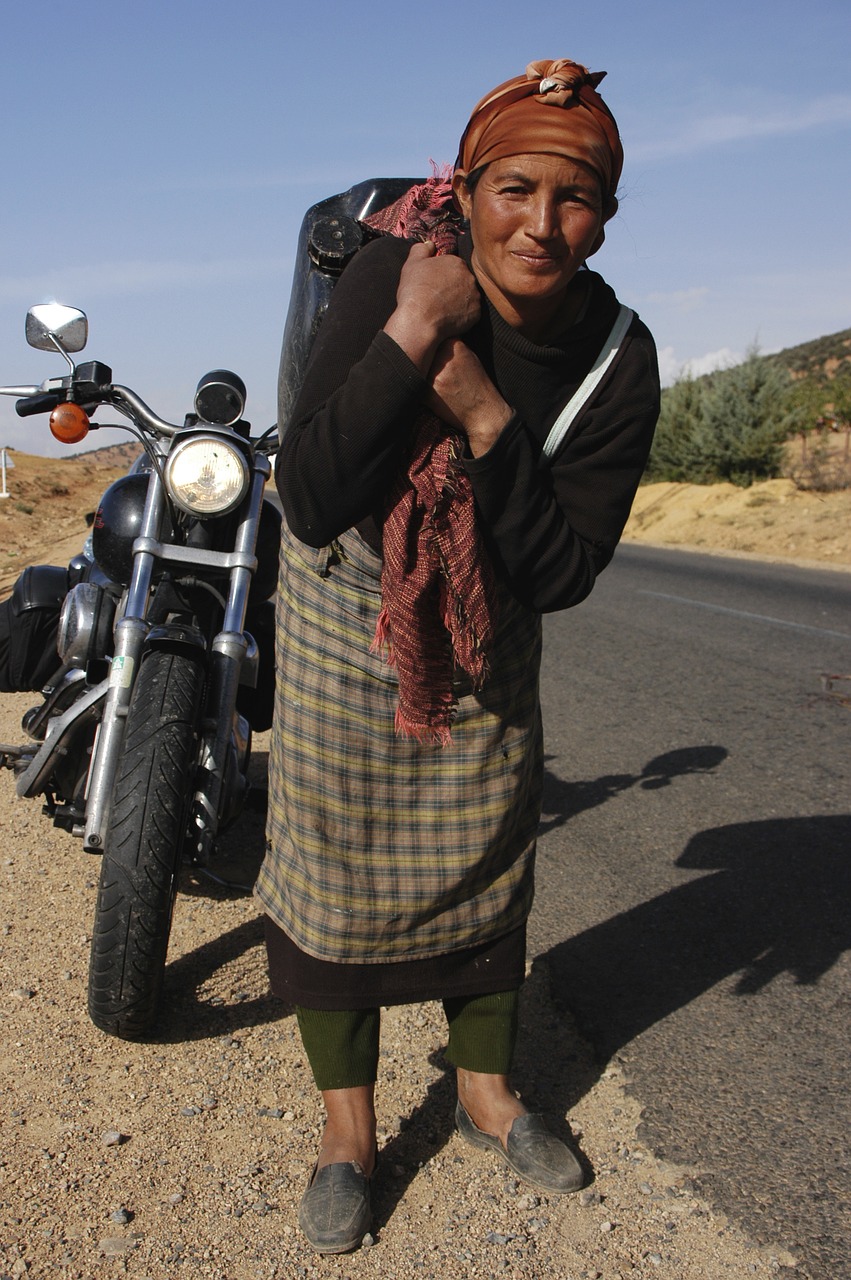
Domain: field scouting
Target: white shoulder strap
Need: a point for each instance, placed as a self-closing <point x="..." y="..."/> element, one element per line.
<point x="579" y="399"/>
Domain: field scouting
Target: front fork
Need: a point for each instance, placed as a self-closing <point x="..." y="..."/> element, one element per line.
<point x="229" y="649"/>
<point x="130" y="635"/>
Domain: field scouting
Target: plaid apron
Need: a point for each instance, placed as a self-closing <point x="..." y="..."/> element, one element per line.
<point x="381" y="848"/>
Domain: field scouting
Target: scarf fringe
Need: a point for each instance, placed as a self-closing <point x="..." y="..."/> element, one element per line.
<point x="438" y="735"/>
<point x="382" y="641"/>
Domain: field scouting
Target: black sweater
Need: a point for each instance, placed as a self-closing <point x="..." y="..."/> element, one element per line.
<point x="550" y="526"/>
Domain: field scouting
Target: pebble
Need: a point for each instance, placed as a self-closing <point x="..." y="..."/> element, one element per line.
<point x="589" y="1197"/>
<point x="116" y="1246"/>
<point x="605" y="1227"/>
<point x="121" y="1216"/>
<point x="112" y="1138"/>
<point x="23" y="993"/>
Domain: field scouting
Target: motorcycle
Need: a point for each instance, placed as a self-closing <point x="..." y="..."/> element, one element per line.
<point x="141" y="744"/>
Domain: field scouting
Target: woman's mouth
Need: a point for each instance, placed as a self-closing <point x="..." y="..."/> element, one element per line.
<point x="537" y="261"/>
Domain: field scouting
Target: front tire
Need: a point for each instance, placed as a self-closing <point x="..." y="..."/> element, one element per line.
<point x="144" y="843"/>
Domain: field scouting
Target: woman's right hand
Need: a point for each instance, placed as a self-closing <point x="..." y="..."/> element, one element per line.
<point x="436" y="298"/>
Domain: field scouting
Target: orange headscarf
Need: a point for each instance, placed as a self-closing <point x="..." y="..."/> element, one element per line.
<point x="554" y="109"/>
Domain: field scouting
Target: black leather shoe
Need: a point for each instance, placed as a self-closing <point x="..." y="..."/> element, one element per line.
<point x="335" y="1212"/>
<point x="535" y="1154"/>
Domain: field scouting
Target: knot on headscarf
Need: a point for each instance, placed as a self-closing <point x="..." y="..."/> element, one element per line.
<point x="517" y="117"/>
<point x="560" y="81"/>
<point x="438" y="593"/>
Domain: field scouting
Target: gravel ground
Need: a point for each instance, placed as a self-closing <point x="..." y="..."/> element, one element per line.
<point x="186" y="1156"/>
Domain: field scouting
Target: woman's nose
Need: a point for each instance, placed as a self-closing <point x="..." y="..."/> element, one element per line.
<point x="543" y="220"/>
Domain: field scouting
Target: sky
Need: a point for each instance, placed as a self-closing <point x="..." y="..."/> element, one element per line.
<point x="157" y="161"/>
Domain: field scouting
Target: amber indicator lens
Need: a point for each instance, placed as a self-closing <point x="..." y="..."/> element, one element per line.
<point x="69" y="423"/>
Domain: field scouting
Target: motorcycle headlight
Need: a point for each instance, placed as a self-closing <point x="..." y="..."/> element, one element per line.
<point x="206" y="476"/>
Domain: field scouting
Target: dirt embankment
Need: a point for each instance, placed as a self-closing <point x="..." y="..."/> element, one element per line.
<point x="804" y="517"/>
<point x="43" y="518"/>
<point x="773" y="520"/>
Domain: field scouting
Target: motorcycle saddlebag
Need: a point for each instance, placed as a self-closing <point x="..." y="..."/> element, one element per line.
<point x="29" y="621"/>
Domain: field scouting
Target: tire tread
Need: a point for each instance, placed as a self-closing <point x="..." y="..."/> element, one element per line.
<point x="143" y="846"/>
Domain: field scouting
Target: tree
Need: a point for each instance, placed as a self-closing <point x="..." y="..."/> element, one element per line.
<point x="822" y="418"/>
<point x="746" y="418"/>
<point x="728" y="426"/>
<point x="679" y="419"/>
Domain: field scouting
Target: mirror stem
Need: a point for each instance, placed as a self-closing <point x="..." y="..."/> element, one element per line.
<point x="59" y="347"/>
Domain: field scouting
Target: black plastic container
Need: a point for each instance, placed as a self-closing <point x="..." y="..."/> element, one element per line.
<point x="331" y="234"/>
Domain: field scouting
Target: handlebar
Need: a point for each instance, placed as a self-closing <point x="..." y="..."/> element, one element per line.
<point x="126" y="401"/>
<point x="43" y="402"/>
<point x="45" y="398"/>
<point x="22" y="391"/>
<point x="51" y="393"/>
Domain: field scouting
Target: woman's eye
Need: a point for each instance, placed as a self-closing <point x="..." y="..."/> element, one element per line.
<point x="580" y="198"/>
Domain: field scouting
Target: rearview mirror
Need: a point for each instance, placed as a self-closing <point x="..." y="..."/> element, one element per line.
<point x="51" y="327"/>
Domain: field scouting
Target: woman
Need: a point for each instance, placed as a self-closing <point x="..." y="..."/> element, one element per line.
<point x="446" y="478"/>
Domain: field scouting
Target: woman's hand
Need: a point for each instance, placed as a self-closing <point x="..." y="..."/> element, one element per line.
<point x="463" y="395"/>
<point x="437" y="298"/>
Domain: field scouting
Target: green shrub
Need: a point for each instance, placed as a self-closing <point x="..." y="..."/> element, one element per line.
<point x="672" y="456"/>
<point x="729" y="426"/>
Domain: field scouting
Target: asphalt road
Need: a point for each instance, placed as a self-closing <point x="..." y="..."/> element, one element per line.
<point x="695" y="873"/>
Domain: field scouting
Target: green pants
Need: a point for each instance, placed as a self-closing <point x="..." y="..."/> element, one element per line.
<point x="342" y="1045"/>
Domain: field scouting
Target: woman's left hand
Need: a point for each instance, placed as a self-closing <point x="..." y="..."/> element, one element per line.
<point x="463" y="395"/>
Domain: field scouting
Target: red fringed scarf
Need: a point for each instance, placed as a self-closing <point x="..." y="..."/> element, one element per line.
<point x="437" y="584"/>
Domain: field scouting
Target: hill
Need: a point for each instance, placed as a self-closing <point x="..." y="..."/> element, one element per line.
<point x="822" y="358"/>
<point x="112" y="455"/>
<point x="43" y="521"/>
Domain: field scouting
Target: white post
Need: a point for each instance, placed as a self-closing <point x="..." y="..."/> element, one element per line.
<point x="5" y="492"/>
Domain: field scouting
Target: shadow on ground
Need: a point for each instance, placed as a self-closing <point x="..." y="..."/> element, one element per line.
<point x="775" y="898"/>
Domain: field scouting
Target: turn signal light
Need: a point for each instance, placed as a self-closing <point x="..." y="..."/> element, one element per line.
<point x="69" y="423"/>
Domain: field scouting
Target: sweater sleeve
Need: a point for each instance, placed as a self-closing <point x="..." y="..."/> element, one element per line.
<point x="356" y="408"/>
<point x="553" y="528"/>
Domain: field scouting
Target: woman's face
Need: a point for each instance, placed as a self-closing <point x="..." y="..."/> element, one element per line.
<point x="534" y="219"/>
